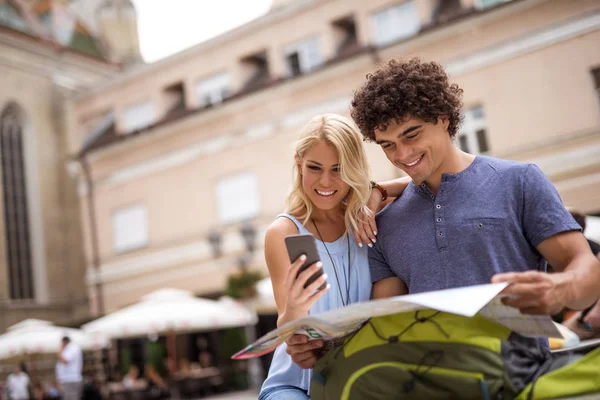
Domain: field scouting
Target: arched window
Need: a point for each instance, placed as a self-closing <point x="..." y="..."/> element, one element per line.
<point x="16" y="216"/>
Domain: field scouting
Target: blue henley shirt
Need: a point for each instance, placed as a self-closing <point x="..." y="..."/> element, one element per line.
<point x="484" y="220"/>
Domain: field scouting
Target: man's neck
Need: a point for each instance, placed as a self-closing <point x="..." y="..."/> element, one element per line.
<point x="455" y="161"/>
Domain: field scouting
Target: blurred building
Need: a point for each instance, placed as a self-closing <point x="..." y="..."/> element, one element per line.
<point x="185" y="158"/>
<point x="47" y="55"/>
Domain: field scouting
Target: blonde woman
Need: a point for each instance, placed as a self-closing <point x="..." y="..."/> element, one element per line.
<point x="331" y="198"/>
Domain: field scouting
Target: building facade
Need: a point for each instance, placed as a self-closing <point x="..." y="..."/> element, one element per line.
<point x="47" y="55"/>
<point x="183" y="163"/>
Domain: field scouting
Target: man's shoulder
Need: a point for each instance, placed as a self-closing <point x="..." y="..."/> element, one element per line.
<point x="504" y="166"/>
<point x="72" y="348"/>
<point x="400" y="209"/>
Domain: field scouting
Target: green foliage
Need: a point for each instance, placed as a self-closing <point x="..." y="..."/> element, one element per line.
<point x="243" y="284"/>
<point x="154" y="356"/>
<point x="230" y="342"/>
<point x="125" y="361"/>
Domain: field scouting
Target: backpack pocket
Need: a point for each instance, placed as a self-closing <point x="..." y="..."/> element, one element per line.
<point x="395" y="380"/>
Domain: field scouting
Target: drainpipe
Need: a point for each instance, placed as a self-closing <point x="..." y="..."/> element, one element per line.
<point x="85" y="168"/>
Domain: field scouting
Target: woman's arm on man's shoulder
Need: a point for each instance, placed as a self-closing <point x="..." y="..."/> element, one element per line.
<point x="367" y="228"/>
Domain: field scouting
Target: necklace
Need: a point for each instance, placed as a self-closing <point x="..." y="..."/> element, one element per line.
<point x="345" y="303"/>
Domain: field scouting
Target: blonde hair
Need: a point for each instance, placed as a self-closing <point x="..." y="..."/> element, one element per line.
<point x="340" y="133"/>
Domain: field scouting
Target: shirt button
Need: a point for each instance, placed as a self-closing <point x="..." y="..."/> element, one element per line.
<point x="438" y="220"/>
<point x="432" y="196"/>
<point x="440" y="234"/>
<point x="438" y="206"/>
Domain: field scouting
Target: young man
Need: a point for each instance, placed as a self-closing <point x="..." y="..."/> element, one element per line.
<point x="465" y="220"/>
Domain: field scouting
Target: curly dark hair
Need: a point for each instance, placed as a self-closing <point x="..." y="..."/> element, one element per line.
<point x="400" y="90"/>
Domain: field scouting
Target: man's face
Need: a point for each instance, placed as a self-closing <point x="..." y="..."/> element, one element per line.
<point x="415" y="146"/>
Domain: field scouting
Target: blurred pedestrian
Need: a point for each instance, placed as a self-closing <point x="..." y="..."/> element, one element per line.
<point x="69" y="368"/>
<point x="52" y="391"/>
<point x="18" y="384"/>
<point x="91" y="388"/>
<point x="132" y="379"/>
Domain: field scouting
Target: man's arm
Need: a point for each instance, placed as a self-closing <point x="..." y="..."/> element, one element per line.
<point x="64" y="355"/>
<point x="570" y="255"/>
<point x="61" y="357"/>
<point x="549" y="227"/>
<point x="576" y="285"/>
<point x="389" y="287"/>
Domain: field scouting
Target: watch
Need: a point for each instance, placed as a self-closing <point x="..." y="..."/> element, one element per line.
<point x="375" y="185"/>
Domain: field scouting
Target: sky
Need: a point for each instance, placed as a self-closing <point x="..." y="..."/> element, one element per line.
<point x="169" y="26"/>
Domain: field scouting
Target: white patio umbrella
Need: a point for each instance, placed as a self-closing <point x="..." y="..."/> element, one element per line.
<point x="265" y="302"/>
<point x="34" y="336"/>
<point x="171" y="310"/>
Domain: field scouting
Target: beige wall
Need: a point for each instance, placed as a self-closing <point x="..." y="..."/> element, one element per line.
<point x="38" y="80"/>
<point x="527" y="63"/>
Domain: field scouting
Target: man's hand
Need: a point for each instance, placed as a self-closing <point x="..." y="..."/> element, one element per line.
<point x="580" y="329"/>
<point x="593" y="317"/>
<point x="535" y="292"/>
<point x="304" y="352"/>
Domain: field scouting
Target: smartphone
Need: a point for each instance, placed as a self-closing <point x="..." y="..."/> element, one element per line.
<point x="304" y="244"/>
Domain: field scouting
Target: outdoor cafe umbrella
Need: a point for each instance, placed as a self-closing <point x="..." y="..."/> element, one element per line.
<point x="34" y="336"/>
<point x="171" y="311"/>
<point x="264" y="302"/>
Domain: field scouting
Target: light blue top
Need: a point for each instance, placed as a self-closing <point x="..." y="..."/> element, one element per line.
<point x="283" y="371"/>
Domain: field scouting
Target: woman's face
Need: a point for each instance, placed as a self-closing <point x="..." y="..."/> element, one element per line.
<point x="321" y="178"/>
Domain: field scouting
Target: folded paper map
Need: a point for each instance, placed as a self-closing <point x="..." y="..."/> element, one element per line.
<point x="465" y="301"/>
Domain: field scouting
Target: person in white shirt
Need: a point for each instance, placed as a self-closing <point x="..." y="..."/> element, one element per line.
<point x="18" y="384"/>
<point x="69" y="368"/>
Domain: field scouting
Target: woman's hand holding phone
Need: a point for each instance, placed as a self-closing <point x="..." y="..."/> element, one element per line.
<point x="300" y="299"/>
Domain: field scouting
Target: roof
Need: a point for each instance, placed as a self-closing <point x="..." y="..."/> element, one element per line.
<point x="51" y="22"/>
<point x="451" y="12"/>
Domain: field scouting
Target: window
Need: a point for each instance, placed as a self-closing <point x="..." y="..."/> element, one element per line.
<point x="237" y="198"/>
<point x="130" y="228"/>
<point x="138" y="116"/>
<point x="303" y="56"/>
<point x="596" y="77"/>
<point x="395" y="23"/>
<point x="472" y="137"/>
<point x="346" y="38"/>
<point x="174" y="97"/>
<point x="213" y="90"/>
<point x="256" y="70"/>
<point x="16" y="213"/>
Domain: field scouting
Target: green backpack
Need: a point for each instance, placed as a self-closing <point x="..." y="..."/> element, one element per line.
<point x="435" y="355"/>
